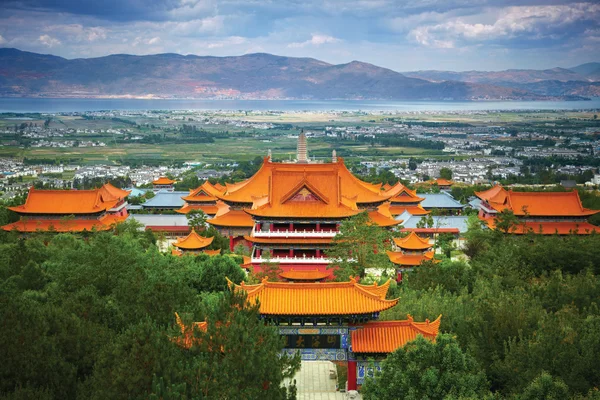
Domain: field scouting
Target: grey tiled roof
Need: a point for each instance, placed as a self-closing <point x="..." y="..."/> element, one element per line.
<point x="439" y="200"/>
<point x="164" y="199"/>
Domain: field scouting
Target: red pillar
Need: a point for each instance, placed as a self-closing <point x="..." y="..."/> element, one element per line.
<point x="318" y="227"/>
<point x="291" y="226"/>
<point x="230" y="242"/>
<point x="257" y="253"/>
<point x="351" y="374"/>
<point x="318" y="253"/>
<point x="291" y="252"/>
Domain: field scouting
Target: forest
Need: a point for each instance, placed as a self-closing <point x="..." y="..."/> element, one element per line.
<point x="94" y="318"/>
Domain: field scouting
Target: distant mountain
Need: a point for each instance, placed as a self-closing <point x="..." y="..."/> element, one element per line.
<point x="252" y="76"/>
<point x="583" y="80"/>
<point x="589" y="70"/>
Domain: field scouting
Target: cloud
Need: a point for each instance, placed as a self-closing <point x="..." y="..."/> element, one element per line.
<point x="77" y="32"/>
<point x="532" y="22"/>
<point x="49" y="41"/>
<point x="315" y="40"/>
<point x="154" y="40"/>
<point x="2" y="40"/>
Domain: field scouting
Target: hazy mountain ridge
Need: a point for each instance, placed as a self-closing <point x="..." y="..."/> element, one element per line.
<point x="252" y="76"/>
<point x="582" y="80"/>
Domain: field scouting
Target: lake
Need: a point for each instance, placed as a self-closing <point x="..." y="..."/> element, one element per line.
<point x="23" y="105"/>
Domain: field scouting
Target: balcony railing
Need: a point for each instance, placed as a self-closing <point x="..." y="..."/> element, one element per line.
<point x="295" y="233"/>
<point x="292" y="260"/>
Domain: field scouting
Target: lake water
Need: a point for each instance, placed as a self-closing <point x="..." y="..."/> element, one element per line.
<point x="22" y="105"/>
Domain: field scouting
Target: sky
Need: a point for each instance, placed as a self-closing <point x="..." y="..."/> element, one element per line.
<point x="455" y="35"/>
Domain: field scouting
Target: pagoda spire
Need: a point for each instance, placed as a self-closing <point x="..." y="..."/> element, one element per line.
<point x="302" y="154"/>
<point x="333" y="157"/>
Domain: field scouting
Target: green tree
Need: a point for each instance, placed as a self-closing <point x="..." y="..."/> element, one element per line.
<point x="426" y="370"/>
<point x="446" y="173"/>
<point x="359" y="245"/>
<point x="196" y="220"/>
<point x="544" y="387"/>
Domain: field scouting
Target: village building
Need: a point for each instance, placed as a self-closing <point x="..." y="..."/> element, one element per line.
<point x="546" y="213"/>
<point x="71" y="210"/>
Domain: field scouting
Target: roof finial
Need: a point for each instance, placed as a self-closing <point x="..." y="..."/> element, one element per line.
<point x="333" y="157"/>
<point x="302" y="154"/>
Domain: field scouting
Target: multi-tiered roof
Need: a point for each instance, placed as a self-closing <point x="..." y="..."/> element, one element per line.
<point x="70" y="210"/>
<point x="414" y="250"/>
<point x="538" y="212"/>
<point x="203" y="198"/>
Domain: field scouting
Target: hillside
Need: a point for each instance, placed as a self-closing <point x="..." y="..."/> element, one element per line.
<point x="252" y="76"/>
<point x="583" y="80"/>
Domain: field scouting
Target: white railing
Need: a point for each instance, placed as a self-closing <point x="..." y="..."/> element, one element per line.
<point x="292" y="260"/>
<point x="295" y="233"/>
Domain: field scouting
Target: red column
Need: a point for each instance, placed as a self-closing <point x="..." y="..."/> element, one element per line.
<point x="257" y="253"/>
<point x="230" y="242"/>
<point x="318" y="253"/>
<point x="291" y="252"/>
<point x="318" y="226"/>
<point x="291" y="226"/>
<point x="351" y="374"/>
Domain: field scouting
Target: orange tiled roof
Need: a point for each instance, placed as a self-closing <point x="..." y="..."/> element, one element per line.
<point x="188" y="339"/>
<point x="207" y="209"/>
<point x="335" y="298"/>
<point x="203" y="193"/>
<point x="441" y="182"/>
<point x="562" y="204"/>
<point x="212" y="253"/>
<point x="400" y="258"/>
<point x="68" y="225"/>
<point x="276" y="180"/>
<point x="234" y="218"/>
<point x="193" y="241"/>
<point x="413" y="242"/>
<point x="383" y="217"/>
<point x="377" y="290"/>
<point x="388" y="336"/>
<point x="413" y="210"/>
<point x="67" y="202"/>
<point x="547" y="204"/>
<point x="496" y="194"/>
<point x="163" y="180"/>
<point x="113" y="191"/>
<point x="292" y="240"/>
<point x="405" y="195"/>
<point x="304" y="275"/>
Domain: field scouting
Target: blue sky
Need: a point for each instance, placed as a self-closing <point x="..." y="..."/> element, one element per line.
<point x="402" y="35"/>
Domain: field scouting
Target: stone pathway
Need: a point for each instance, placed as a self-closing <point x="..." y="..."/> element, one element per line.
<point x="314" y="383"/>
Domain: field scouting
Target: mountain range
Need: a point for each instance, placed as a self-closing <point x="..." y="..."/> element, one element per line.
<point x="266" y="76"/>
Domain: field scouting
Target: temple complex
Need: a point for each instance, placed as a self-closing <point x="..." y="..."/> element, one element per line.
<point x="289" y="212"/>
<point x="70" y="210"/>
<point x="411" y="251"/>
<point x="203" y="198"/>
<point x="163" y="183"/>
<point x="546" y="213"/>
<point x="331" y="321"/>
<point x="191" y="244"/>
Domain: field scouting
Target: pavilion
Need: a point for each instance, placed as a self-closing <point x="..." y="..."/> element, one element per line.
<point x="191" y="244"/>
<point x="412" y="251"/>
<point x="163" y="183"/>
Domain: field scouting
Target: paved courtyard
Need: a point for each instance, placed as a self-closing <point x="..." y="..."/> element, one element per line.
<point x="314" y="383"/>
